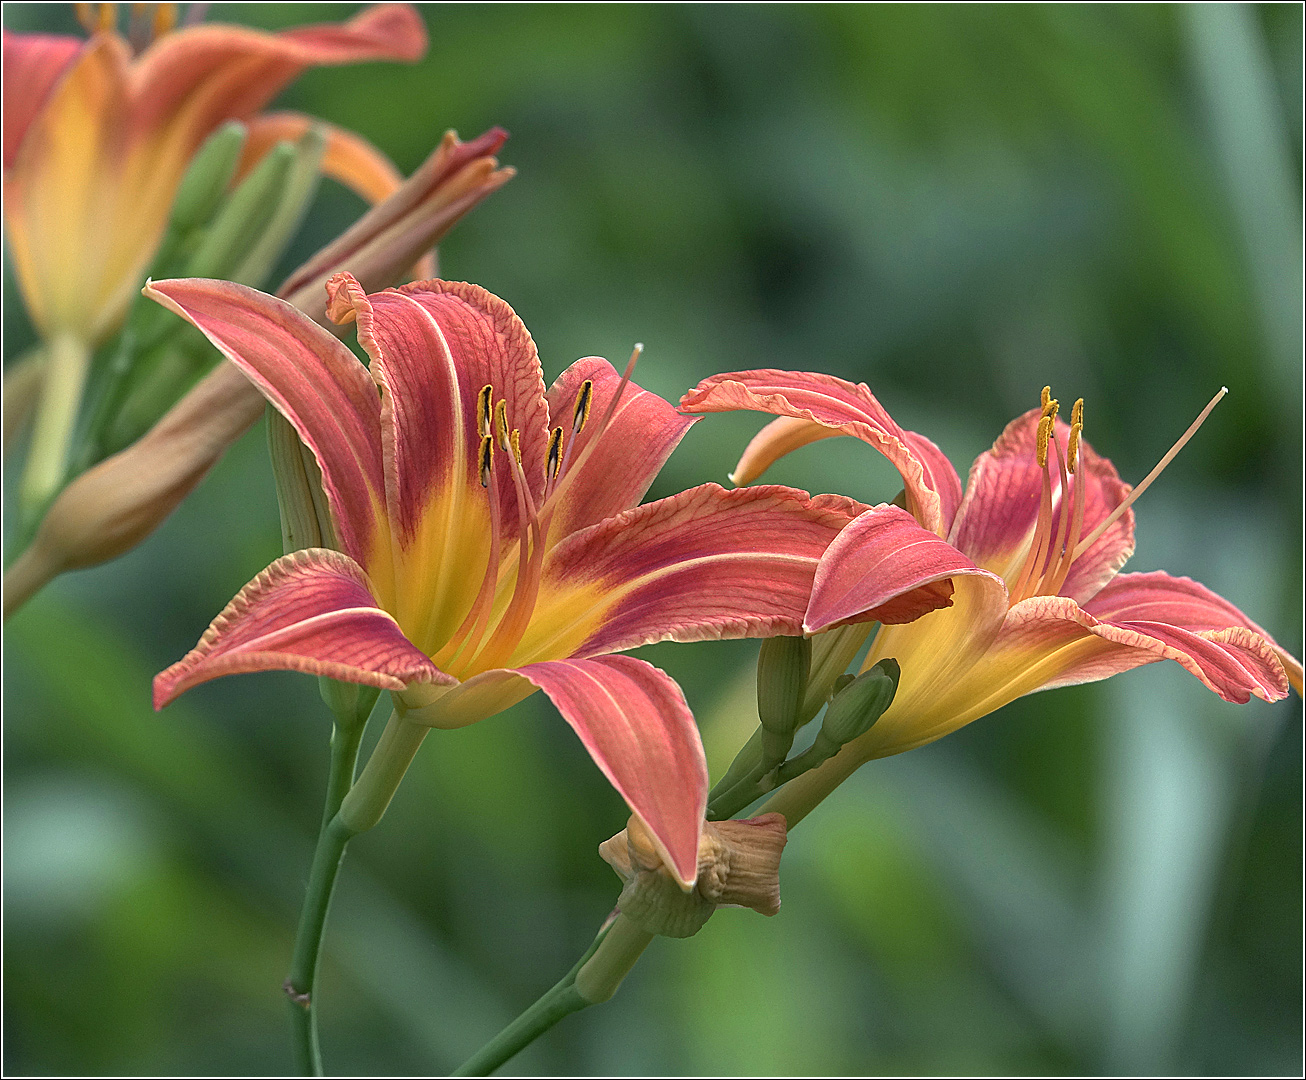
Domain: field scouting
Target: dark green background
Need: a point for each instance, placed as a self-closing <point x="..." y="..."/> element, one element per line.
<point x="954" y="204"/>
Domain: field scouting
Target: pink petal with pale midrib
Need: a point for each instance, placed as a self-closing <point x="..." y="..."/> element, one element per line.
<point x="885" y="567"/>
<point x="636" y="726"/>
<point x="312" y="379"/>
<point x="639" y="439"/>
<point x="930" y="481"/>
<point x="701" y="565"/>
<point x="310" y="611"/>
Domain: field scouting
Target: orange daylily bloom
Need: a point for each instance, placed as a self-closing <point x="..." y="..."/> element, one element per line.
<point x="96" y="142"/>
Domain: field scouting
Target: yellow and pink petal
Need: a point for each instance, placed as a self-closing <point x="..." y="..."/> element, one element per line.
<point x="311" y="611"/>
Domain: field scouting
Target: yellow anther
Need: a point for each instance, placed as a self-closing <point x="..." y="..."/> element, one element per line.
<point x="1045" y="397"/>
<point x="1051" y="407"/>
<point x="515" y="441"/>
<point x="1072" y="446"/>
<point x="487" y="460"/>
<point x="165" y="18"/>
<point x="554" y="458"/>
<point x="1077" y="412"/>
<point x="108" y="16"/>
<point x="501" y="424"/>
<point x="583" y="402"/>
<point x="86" y="16"/>
<point x="1041" y="446"/>
<point x="484" y="410"/>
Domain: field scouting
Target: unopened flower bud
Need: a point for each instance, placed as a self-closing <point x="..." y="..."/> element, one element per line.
<point x="350" y="703"/>
<point x="207" y="179"/>
<point x="783" y="665"/>
<point x="860" y="703"/>
<point x="738" y="865"/>
<point x="305" y="515"/>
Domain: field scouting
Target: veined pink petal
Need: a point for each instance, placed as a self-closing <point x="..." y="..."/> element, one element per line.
<point x="636" y="726"/>
<point x="1182" y="602"/>
<point x="929" y="480"/>
<point x="313" y="380"/>
<point x="884" y="567"/>
<point x="33" y="64"/>
<point x="639" y="439"/>
<point x="704" y="564"/>
<point x="310" y="611"/>
<point x="997" y="515"/>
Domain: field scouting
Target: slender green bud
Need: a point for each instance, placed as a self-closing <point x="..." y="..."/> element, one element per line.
<point x="208" y="177"/>
<point x="350" y="703"/>
<point x="860" y="703"/>
<point x="305" y="519"/>
<point x="297" y="192"/>
<point x="783" y="665"/>
<point x="244" y="217"/>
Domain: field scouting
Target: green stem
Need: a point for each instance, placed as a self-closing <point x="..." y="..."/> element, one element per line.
<point x="67" y="363"/>
<point x="332" y="838"/>
<point x="593" y="979"/>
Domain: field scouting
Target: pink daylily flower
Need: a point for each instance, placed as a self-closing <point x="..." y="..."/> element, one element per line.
<point x="1033" y="550"/>
<point x="490" y="538"/>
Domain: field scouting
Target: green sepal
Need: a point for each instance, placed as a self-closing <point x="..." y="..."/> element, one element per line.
<point x="305" y="517"/>
<point x="350" y="703"/>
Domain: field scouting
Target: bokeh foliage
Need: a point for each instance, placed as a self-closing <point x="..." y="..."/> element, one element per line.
<point x="954" y="204"/>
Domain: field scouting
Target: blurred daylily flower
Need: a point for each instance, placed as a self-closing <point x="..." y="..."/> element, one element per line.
<point x="1032" y="550"/>
<point x="490" y="538"/>
<point x="114" y="505"/>
<point x="97" y="140"/>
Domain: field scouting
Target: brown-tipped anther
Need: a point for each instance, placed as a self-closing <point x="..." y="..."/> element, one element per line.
<point x="1072" y="447"/>
<point x="484" y="410"/>
<point x="514" y="440"/>
<point x="501" y="425"/>
<point x="1041" y="443"/>
<point x="584" y="401"/>
<point x="738" y="865"/>
<point x="554" y="458"/>
<point x="487" y="459"/>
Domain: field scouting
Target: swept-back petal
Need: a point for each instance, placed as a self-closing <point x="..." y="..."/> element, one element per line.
<point x="311" y="611"/>
<point x="884" y="567"/>
<point x="636" y="444"/>
<point x="636" y="726"/>
<point x="1160" y="598"/>
<point x="33" y="64"/>
<point x="349" y="158"/>
<point x="996" y="520"/>
<point x="851" y="409"/>
<point x="704" y="564"/>
<point x="315" y="382"/>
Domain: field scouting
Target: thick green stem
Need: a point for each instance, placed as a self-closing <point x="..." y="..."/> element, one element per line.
<point x="801" y="795"/>
<point x="594" y="979"/>
<point x="366" y="802"/>
<point x="68" y="360"/>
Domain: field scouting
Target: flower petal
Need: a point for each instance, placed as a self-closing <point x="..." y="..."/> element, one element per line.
<point x="33" y="64"/>
<point x="434" y="345"/>
<point x="704" y="564"/>
<point x="884" y="567"/>
<point x="349" y="158"/>
<point x="638" y="440"/>
<point x="315" y="382"/>
<point x="996" y="520"/>
<point x="311" y="611"/>
<point x="1182" y="602"/>
<point x="930" y="481"/>
<point x="636" y="726"/>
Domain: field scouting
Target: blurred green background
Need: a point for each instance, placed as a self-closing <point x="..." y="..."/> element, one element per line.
<point x="954" y="204"/>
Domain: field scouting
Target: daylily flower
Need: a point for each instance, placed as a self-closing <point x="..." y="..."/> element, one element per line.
<point x="1032" y="550"/>
<point x="96" y="142"/>
<point x="114" y="505"/>
<point x="490" y="538"/>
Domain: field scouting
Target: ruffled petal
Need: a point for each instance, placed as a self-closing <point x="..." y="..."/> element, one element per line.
<point x="1182" y="602"/>
<point x="310" y="611"/>
<point x="929" y="480"/>
<point x="33" y="64"/>
<point x="704" y="564"/>
<point x="316" y="383"/>
<point x="884" y="567"/>
<point x="638" y="440"/>
<point x="636" y="726"/>
<point x="996" y="520"/>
